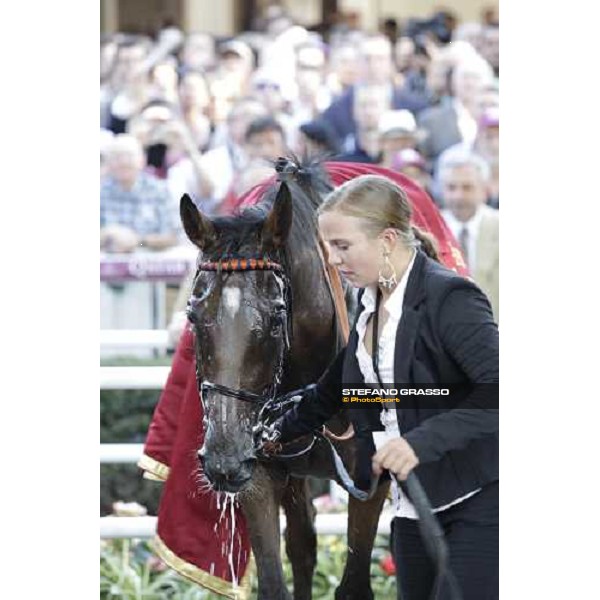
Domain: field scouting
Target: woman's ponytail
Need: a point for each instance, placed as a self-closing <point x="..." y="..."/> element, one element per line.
<point x="428" y="243"/>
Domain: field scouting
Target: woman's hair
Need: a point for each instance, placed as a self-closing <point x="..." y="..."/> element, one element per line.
<point x="379" y="203"/>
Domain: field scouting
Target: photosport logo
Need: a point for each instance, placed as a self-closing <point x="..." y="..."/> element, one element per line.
<point x="442" y="396"/>
<point x="371" y="395"/>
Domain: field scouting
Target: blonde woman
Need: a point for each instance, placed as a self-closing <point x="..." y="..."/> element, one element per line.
<point x="418" y="323"/>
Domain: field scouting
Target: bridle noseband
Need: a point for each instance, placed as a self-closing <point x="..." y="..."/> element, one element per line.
<point x="235" y="264"/>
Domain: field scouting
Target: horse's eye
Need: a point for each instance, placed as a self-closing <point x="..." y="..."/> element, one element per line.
<point x="191" y="315"/>
<point x="277" y="328"/>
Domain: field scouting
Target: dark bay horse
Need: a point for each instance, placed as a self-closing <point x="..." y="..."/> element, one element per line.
<point x="265" y="324"/>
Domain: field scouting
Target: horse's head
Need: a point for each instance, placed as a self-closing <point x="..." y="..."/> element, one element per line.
<point x="240" y="310"/>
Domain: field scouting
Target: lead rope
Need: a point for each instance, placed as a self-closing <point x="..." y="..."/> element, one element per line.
<point x="429" y="526"/>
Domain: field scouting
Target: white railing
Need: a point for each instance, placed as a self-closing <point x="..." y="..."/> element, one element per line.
<point x="125" y="339"/>
<point x="133" y="378"/>
<point x="120" y="453"/>
<point x="145" y="527"/>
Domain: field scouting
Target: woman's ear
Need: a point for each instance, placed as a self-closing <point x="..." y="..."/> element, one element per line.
<point x="389" y="238"/>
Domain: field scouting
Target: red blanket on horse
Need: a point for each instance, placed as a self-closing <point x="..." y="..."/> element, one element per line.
<point x="198" y="537"/>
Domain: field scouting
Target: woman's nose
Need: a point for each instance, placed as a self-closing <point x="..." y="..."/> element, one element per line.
<point x="334" y="259"/>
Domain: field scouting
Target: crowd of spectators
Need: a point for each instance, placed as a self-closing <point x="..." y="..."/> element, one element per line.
<point x="196" y="114"/>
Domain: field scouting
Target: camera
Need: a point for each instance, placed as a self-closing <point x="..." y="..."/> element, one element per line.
<point x="439" y="27"/>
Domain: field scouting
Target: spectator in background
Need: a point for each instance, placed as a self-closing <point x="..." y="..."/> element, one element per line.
<point x="318" y="139"/>
<point x="134" y="205"/>
<point x="105" y="141"/>
<point x="490" y="47"/>
<point x="163" y="80"/>
<point x="397" y="131"/>
<point x="404" y="54"/>
<point x="343" y="73"/>
<point x="130" y="83"/>
<point x="313" y="96"/>
<point x="389" y="28"/>
<point x="412" y="164"/>
<point x="486" y="145"/>
<point x="487" y="97"/>
<point x="267" y="87"/>
<point x="198" y="52"/>
<point x="377" y="69"/>
<point x="231" y="79"/>
<point x="173" y="155"/>
<point x="225" y="162"/>
<point x="264" y="142"/>
<point x="109" y="49"/>
<point x="370" y="102"/>
<point x="438" y="77"/>
<point x="464" y="178"/>
<point x="194" y="104"/>
<point x="470" y="32"/>
<point x="489" y="15"/>
<point x="412" y="61"/>
<point x="455" y="121"/>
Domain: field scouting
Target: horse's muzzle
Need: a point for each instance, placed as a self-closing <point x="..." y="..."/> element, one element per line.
<point x="227" y="474"/>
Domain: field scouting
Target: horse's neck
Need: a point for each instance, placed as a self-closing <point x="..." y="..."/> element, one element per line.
<point x="307" y="268"/>
<point x="316" y="338"/>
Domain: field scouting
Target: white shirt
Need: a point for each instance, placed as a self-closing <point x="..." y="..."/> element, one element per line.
<point x="222" y="164"/>
<point x="472" y="225"/>
<point x="386" y="346"/>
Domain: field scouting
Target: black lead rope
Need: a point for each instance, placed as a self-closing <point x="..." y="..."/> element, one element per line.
<point x="429" y="526"/>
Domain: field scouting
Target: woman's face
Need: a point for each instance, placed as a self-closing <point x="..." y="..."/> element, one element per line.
<point x="357" y="256"/>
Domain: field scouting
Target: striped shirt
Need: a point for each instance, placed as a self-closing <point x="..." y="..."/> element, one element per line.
<point x="145" y="208"/>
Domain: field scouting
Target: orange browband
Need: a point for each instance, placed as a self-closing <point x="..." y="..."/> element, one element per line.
<point x="241" y="264"/>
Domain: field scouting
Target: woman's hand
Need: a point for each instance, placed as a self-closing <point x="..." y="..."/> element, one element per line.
<point x="396" y="456"/>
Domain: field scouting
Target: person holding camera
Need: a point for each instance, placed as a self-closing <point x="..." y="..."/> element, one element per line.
<point x="172" y="154"/>
<point x="417" y="323"/>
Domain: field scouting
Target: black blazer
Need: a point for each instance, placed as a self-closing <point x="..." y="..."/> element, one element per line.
<point x="446" y="336"/>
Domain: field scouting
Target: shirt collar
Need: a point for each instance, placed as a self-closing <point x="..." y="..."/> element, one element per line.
<point x="472" y="224"/>
<point x="393" y="304"/>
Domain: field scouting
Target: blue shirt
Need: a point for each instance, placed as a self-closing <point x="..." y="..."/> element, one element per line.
<point x="144" y="208"/>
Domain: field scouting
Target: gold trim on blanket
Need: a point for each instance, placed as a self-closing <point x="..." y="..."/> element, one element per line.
<point x="154" y="470"/>
<point x="206" y="580"/>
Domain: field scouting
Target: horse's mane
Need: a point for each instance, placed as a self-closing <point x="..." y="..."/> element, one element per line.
<point x="308" y="183"/>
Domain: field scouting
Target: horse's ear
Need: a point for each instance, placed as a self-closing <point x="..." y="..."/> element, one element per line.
<point x="197" y="227"/>
<point x="279" y="220"/>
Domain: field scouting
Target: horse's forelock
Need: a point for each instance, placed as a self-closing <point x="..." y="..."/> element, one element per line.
<point x="240" y="233"/>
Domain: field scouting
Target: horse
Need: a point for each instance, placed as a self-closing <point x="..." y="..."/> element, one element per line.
<point x="265" y="324"/>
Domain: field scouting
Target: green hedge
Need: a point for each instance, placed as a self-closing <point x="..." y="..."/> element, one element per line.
<point x="124" y="418"/>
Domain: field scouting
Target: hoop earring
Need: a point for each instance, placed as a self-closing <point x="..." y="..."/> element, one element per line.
<point x="387" y="282"/>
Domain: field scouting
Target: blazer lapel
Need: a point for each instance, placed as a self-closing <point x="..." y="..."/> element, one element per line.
<point x="408" y="327"/>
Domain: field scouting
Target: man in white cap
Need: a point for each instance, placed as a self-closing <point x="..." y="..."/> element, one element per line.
<point x="397" y="131"/>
